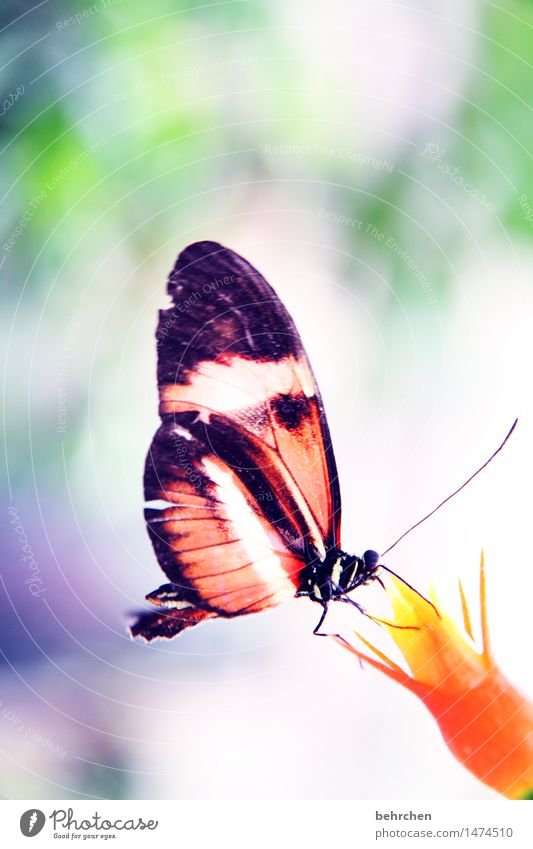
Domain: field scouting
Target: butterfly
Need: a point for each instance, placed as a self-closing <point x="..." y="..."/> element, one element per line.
<point x="242" y="499"/>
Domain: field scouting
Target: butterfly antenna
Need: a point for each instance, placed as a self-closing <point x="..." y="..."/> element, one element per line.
<point x="442" y="503"/>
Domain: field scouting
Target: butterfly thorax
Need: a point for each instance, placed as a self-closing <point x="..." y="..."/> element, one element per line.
<point x="337" y="574"/>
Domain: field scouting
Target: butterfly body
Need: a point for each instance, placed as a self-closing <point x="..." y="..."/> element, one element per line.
<point x="323" y="580"/>
<point x="242" y="494"/>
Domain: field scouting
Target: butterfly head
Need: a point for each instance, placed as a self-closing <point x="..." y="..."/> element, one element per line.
<point x="371" y="561"/>
<point x="359" y="570"/>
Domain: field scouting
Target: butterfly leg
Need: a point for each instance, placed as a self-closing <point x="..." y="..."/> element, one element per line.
<point x="323" y="616"/>
<point x="356" y="604"/>
<point x="324" y="612"/>
<point x="376" y="619"/>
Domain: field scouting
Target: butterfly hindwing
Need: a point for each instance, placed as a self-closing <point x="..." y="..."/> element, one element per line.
<point x="212" y="539"/>
<point x="240" y="480"/>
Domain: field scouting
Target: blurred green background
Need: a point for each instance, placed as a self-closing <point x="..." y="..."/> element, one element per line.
<point x="373" y="159"/>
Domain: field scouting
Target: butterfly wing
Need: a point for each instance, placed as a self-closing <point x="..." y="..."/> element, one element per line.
<point x="240" y="480"/>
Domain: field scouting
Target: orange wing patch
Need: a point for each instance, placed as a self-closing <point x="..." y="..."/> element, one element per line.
<point x="276" y="402"/>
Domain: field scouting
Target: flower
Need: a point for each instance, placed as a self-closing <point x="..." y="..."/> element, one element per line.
<point x="484" y="720"/>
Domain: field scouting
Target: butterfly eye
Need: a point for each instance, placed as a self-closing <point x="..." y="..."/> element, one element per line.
<point x="371" y="560"/>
